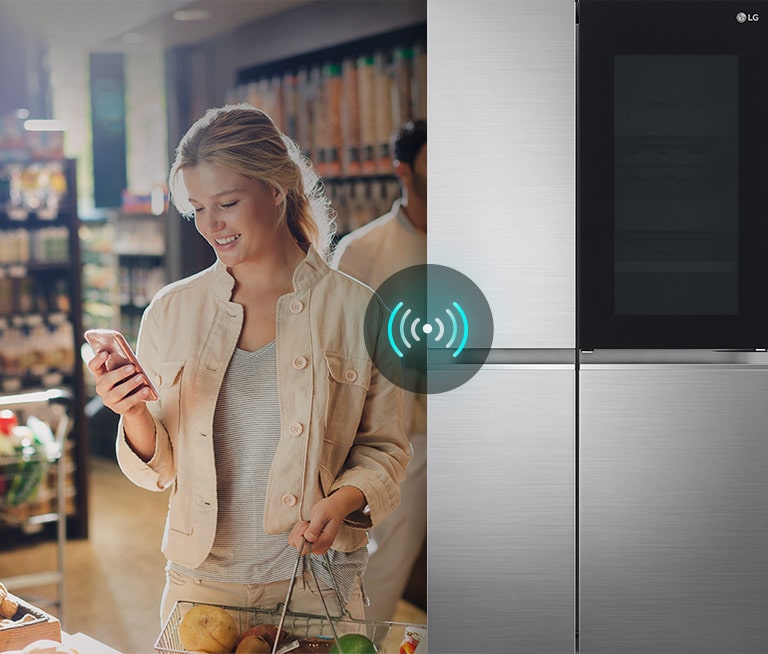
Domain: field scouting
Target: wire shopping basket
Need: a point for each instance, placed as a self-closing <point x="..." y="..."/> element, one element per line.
<point x="306" y="632"/>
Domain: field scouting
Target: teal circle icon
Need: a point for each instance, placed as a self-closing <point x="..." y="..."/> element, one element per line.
<point x="429" y="328"/>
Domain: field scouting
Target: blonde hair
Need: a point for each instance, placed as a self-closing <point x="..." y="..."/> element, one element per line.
<point x="246" y="140"/>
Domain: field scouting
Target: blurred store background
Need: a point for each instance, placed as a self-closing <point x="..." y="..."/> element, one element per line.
<point x="94" y="96"/>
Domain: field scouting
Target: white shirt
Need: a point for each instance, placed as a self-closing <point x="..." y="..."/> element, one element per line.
<point x="376" y="251"/>
<point x="373" y="253"/>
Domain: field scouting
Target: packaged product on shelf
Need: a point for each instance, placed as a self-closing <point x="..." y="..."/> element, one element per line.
<point x="49" y="245"/>
<point x="337" y="194"/>
<point x="319" y="120"/>
<point x="384" y="125"/>
<point x="10" y="357"/>
<point x="36" y="346"/>
<point x="403" y="95"/>
<point x="257" y="93"/>
<point x="60" y="355"/>
<point x="350" y="118"/>
<point x="6" y="296"/>
<point x="15" y="247"/>
<point x="333" y="96"/>
<point x="37" y="188"/>
<point x="305" y="122"/>
<point x="290" y="105"/>
<point x="419" y="86"/>
<point x="360" y="211"/>
<point x="276" y="99"/>
<point x="414" y="640"/>
<point x="366" y="76"/>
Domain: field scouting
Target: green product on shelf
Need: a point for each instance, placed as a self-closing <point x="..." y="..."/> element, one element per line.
<point x="23" y="479"/>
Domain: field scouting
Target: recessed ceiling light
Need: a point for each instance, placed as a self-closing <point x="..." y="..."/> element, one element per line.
<point x="191" y="14"/>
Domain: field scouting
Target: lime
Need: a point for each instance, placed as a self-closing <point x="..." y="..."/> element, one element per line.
<point x="354" y="644"/>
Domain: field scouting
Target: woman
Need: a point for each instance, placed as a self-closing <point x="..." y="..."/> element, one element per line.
<point x="272" y="426"/>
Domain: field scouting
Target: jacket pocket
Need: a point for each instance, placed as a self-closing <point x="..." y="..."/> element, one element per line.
<point x="348" y="382"/>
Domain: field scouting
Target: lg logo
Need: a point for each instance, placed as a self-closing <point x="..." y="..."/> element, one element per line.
<point x="741" y="17"/>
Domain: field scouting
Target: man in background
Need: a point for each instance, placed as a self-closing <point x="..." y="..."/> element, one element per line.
<point x="372" y="254"/>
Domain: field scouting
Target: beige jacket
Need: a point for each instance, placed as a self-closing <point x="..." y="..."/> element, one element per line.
<point x="338" y="413"/>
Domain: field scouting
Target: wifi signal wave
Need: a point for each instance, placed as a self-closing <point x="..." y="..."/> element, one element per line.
<point x="404" y="331"/>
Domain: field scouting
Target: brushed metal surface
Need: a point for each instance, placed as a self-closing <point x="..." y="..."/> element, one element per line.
<point x="502" y="160"/>
<point x="501" y="529"/>
<point x="671" y="357"/>
<point x="673" y="520"/>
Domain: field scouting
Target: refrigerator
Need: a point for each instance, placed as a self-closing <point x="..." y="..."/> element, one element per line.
<point x="672" y="432"/>
<point x="501" y="446"/>
<point x="597" y="485"/>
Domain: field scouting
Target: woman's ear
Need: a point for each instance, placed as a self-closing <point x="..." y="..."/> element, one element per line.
<point x="278" y="196"/>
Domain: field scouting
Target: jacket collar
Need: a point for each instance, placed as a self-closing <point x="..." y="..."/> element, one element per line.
<point x="309" y="271"/>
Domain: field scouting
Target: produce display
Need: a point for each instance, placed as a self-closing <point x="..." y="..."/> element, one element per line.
<point x="25" y="451"/>
<point x="212" y="630"/>
<point x="17" y="619"/>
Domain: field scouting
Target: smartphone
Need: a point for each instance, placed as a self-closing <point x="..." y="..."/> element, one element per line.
<point x="115" y="343"/>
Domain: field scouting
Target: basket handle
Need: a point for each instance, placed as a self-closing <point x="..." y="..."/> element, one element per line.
<point x="292" y="583"/>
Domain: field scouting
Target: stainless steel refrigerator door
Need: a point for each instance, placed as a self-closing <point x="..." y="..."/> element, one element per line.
<point x="501" y="529"/>
<point x="673" y="515"/>
<point x="502" y="160"/>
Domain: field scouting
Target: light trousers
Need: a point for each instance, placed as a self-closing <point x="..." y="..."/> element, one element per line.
<point x="397" y="541"/>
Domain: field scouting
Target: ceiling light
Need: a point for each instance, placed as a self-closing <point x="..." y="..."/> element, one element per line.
<point x="186" y="15"/>
<point x="45" y="126"/>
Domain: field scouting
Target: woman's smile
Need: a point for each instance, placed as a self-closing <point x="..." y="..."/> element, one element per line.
<point x="226" y="240"/>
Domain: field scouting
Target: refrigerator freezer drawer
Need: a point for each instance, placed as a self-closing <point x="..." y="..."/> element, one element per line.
<point x="673" y="510"/>
<point x="501" y="529"/>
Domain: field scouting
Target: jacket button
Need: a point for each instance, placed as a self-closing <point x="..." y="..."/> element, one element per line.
<point x="289" y="500"/>
<point x="296" y="428"/>
<point x="297" y="306"/>
<point x="300" y="363"/>
<point x="350" y="375"/>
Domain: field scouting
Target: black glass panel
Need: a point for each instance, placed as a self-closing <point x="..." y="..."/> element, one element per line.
<point x="672" y="170"/>
<point x="676" y="199"/>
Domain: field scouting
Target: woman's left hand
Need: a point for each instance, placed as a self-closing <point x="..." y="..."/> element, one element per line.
<point x="325" y="519"/>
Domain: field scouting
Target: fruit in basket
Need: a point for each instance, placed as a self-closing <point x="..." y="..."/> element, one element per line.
<point x="354" y="644"/>
<point x="207" y="628"/>
<point x="255" y="639"/>
<point x="314" y="645"/>
<point x="253" y="645"/>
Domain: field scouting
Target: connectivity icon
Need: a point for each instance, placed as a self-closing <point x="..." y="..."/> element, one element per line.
<point x="427" y="329"/>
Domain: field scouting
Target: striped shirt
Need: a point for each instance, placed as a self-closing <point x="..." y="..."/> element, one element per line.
<point x="246" y="428"/>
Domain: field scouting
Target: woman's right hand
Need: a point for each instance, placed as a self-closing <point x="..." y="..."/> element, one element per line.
<point x="118" y="388"/>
